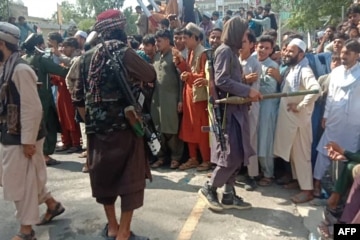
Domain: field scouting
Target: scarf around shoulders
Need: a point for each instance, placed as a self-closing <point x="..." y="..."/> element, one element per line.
<point x="294" y="76"/>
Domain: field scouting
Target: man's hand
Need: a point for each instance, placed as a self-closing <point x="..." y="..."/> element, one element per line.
<point x="274" y="73"/>
<point x="29" y="150"/>
<point x="335" y="152"/>
<point x="180" y="107"/>
<point x="255" y="95"/>
<point x="177" y="57"/>
<point x="200" y="82"/>
<point x="251" y="78"/>
<point x="184" y="76"/>
<point x="292" y="107"/>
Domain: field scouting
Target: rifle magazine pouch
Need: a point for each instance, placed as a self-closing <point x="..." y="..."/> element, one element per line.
<point x="12" y="119"/>
<point x="200" y="94"/>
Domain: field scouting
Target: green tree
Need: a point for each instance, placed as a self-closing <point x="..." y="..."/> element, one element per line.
<point x="86" y="24"/>
<point x="130" y="21"/>
<point x="309" y="14"/>
<point x="69" y="12"/>
<point x="94" y="7"/>
<point x="4" y="10"/>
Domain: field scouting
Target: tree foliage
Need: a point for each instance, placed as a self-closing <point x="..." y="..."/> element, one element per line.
<point x="84" y="13"/>
<point x="310" y="14"/>
<point x="86" y="24"/>
<point x="4" y="10"/>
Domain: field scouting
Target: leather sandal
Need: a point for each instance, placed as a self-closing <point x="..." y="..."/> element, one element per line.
<point x="158" y="163"/>
<point x="204" y="166"/>
<point x="191" y="163"/>
<point x="174" y="164"/>
<point x="23" y="236"/>
<point x="105" y="233"/>
<point x="59" y="209"/>
<point x="265" y="182"/>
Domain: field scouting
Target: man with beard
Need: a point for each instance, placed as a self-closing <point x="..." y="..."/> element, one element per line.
<point x="293" y="135"/>
<point x="228" y="81"/>
<point x="341" y="116"/>
<point x="116" y="155"/>
<point x="22" y="167"/>
<point x="167" y="101"/>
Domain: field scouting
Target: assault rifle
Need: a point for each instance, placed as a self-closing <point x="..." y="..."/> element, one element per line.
<point x="140" y="121"/>
<point x="215" y="115"/>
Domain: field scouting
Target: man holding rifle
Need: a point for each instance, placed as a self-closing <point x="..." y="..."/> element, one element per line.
<point x="228" y="78"/>
<point x="116" y="155"/>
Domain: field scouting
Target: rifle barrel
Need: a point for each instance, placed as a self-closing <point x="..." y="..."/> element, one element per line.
<point x="241" y="100"/>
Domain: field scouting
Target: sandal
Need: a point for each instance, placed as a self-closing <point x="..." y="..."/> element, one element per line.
<point x="191" y="163"/>
<point x="105" y="233"/>
<point x="284" y="180"/>
<point x="158" y="163"/>
<point x="301" y="197"/>
<point x="265" y="182"/>
<point x="59" y="209"/>
<point x="292" y="185"/>
<point x="174" y="164"/>
<point x="83" y="155"/>
<point x="133" y="236"/>
<point x="52" y="162"/>
<point x="23" y="236"/>
<point x="204" y="166"/>
<point x="331" y="215"/>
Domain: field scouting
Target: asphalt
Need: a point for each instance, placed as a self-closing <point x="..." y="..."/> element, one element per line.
<point x="172" y="210"/>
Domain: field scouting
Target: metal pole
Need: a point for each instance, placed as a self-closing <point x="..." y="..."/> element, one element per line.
<point x="342" y="12"/>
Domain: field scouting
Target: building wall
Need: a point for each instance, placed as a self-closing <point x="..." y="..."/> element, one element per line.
<point x="45" y="25"/>
<point x="17" y="10"/>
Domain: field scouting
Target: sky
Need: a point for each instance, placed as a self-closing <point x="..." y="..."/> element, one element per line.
<point x="46" y="8"/>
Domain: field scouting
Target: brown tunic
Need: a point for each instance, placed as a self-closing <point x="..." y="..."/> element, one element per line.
<point x="117" y="161"/>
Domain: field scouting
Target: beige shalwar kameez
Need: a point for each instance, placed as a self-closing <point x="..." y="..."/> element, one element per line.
<point x="293" y="135"/>
<point x="24" y="179"/>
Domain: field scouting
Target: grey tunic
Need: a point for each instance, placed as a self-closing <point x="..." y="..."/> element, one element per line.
<point x="167" y="94"/>
<point x="228" y="80"/>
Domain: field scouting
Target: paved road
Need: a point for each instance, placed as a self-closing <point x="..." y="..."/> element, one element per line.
<point x="172" y="210"/>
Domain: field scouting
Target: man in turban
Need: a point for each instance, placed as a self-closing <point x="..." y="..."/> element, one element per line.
<point x="22" y="165"/>
<point x="116" y="156"/>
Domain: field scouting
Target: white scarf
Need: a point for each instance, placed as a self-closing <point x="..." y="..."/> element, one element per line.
<point x="295" y="75"/>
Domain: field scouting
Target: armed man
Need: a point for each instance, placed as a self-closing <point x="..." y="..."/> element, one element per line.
<point x="116" y="155"/>
<point x="44" y="66"/>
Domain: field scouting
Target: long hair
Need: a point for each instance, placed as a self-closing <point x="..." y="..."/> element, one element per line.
<point x="234" y="31"/>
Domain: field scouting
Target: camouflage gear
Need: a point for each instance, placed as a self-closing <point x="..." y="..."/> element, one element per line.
<point x="106" y="115"/>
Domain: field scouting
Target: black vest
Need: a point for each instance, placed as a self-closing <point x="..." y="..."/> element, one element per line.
<point x="10" y="125"/>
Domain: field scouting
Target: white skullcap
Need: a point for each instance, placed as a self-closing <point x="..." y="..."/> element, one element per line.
<point x="299" y="43"/>
<point x="9" y="33"/>
<point x="81" y="34"/>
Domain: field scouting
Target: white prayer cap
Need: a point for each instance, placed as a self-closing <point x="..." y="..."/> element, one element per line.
<point x="81" y="34"/>
<point x="9" y="33"/>
<point x="299" y="43"/>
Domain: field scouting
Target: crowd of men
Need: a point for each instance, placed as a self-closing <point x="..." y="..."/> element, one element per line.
<point x="171" y="74"/>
